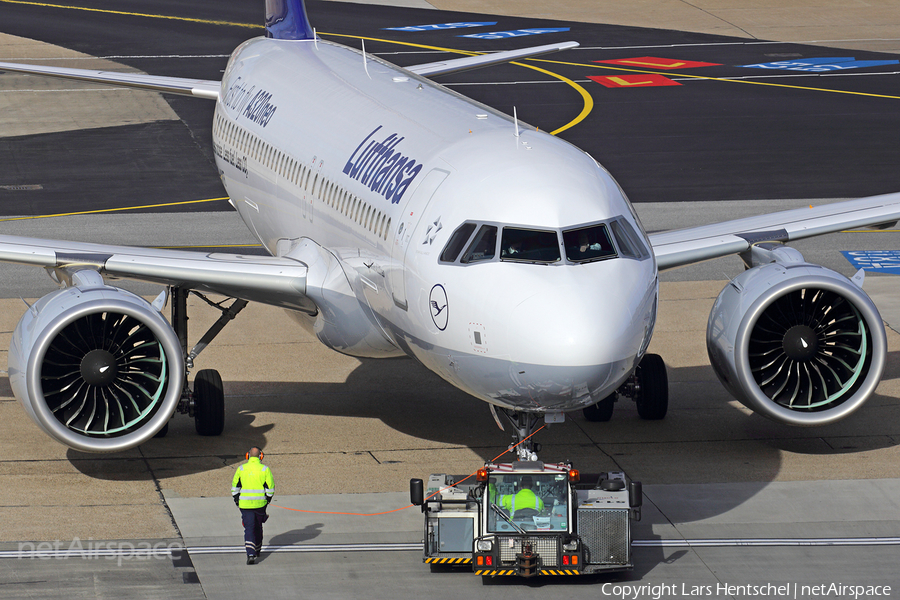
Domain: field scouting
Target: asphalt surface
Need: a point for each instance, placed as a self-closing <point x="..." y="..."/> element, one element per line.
<point x="345" y="435"/>
<point x="771" y="134"/>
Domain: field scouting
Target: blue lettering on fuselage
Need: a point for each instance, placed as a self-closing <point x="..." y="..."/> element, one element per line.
<point x="249" y="102"/>
<point x="381" y="167"/>
<point x="260" y="109"/>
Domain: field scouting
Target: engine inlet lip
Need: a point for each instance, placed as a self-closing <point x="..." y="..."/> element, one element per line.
<point x="867" y="310"/>
<point x="128" y="304"/>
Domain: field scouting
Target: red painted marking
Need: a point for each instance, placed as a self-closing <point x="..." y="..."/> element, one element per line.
<point x="658" y="63"/>
<point x="618" y="81"/>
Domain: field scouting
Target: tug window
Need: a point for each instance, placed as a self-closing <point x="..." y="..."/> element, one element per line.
<point x="483" y="246"/>
<point x="529" y="245"/>
<point x="588" y="244"/>
<point x="457" y="242"/>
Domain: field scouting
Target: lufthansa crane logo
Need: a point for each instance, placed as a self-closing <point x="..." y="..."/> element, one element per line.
<point x="437" y="301"/>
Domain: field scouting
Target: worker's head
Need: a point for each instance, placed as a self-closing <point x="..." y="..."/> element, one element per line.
<point x="526" y="482"/>
<point x="255" y="452"/>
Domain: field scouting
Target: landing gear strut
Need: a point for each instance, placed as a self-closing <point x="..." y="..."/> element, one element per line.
<point x="524" y="424"/>
<point x="206" y="403"/>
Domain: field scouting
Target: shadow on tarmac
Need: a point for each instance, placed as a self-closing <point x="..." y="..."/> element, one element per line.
<point x="705" y="438"/>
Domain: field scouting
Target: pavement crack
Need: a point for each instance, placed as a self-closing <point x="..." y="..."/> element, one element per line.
<point x="159" y="493"/>
<point x="719" y="18"/>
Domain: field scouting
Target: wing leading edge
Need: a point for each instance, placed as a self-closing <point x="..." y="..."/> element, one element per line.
<point x="696" y="244"/>
<point x="270" y="280"/>
<point x="198" y="88"/>
<point x="485" y="60"/>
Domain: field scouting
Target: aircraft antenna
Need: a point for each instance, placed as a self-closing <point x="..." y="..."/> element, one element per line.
<point x="516" y="120"/>
<point x="315" y="39"/>
<point x="365" y="63"/>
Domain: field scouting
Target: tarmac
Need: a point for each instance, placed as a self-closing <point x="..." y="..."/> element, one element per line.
<point x="869" y="25"/>
<point x="782" y="506"/>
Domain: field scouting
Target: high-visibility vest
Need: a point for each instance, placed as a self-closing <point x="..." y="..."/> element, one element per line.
<point x="253" y="481"/>
<point x="524" y="498"/>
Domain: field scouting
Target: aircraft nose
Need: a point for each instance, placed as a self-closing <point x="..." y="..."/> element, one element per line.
<point x="566" y="327"/>
<point x="569" y="350"/>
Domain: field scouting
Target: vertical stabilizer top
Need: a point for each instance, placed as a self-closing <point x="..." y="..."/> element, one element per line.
<point x="287" y="20"/>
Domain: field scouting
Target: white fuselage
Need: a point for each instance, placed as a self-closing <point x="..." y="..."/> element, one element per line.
<point x="379" y="167"/>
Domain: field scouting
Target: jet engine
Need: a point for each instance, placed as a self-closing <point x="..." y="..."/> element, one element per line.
<point x="96" y="367"/>
<point x="796" y="342"/>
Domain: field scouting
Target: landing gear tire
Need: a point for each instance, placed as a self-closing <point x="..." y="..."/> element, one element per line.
<point x="653" y="399"/>
<point x="602" y="411"/>
<point x="209" y="403"/>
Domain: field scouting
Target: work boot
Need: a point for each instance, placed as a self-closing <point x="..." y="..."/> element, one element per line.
<point x="251" y="559"/>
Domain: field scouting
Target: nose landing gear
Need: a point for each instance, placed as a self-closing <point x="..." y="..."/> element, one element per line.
<point x="524" y="426"/>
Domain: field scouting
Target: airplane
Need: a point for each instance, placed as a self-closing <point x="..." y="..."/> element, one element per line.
<point x="403" y="219"/>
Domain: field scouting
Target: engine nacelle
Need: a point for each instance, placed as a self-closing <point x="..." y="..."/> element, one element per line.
<point x="96" y="367"/>
<point x="797" y="343"/>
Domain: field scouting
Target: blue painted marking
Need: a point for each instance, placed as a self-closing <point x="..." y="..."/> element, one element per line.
<point x="439" y="26"/>
<point x="500" y="35"/>
<point x="822" y="65"/>
<point x="876" y="261"/>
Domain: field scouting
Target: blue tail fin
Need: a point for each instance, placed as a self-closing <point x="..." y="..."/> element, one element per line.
<point x="287" y="20"/>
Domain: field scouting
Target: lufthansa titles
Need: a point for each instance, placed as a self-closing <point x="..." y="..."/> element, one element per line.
<point x="382" y="167"/>
<point x="254" y="104"/>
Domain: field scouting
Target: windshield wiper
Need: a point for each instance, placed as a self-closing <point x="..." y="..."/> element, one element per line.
<point x="502" y="514"/>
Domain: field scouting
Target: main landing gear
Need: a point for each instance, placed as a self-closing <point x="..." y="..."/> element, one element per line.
<point x="648" y="387"/>
<point x="206" y="402"/>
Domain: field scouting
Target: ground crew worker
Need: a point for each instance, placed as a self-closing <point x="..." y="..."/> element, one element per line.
<point x="524" y="498"/>
<point x="252" y="489"/>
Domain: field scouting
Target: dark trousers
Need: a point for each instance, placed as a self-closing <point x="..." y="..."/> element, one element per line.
<point x="253" y="519"/>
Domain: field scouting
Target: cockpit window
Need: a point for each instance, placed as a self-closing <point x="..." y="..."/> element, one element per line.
<point x="457" y="242"/>
<point x="483" y="247"/>
<point x="588" y="244"/>
<point x="627" y="239"/>
<point x="529" y="245"/>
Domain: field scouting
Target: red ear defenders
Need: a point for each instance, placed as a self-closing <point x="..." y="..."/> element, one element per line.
<point x="261" y="455"/>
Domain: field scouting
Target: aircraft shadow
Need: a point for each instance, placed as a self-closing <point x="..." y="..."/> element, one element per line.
<point x="706" y="437"/>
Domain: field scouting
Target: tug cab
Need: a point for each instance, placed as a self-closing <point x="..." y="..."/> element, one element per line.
<point x="529" y="518"/>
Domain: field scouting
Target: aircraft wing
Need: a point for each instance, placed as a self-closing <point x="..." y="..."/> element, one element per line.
<point x="198" y="88"/>
<point x="203" y="88"/>
<point x="266" y="279"/>
<point x="695" y="244"/>
<point x="485" y="60"/>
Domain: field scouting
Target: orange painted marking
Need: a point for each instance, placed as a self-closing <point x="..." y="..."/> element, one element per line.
<point x="633" y="81"/>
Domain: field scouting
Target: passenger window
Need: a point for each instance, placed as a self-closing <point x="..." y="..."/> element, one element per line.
<point x="457" y="242"/>
<point x="483" y="247"/>
<point x="588" y="244"/>
<point x="628" y="240"/>
<point x="529" y="245"/>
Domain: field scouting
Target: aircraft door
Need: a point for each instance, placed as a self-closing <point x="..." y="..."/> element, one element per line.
<point x="411" y="214"/>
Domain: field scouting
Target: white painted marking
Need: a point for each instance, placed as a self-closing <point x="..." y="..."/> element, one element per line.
<point x="134" y="551"/>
